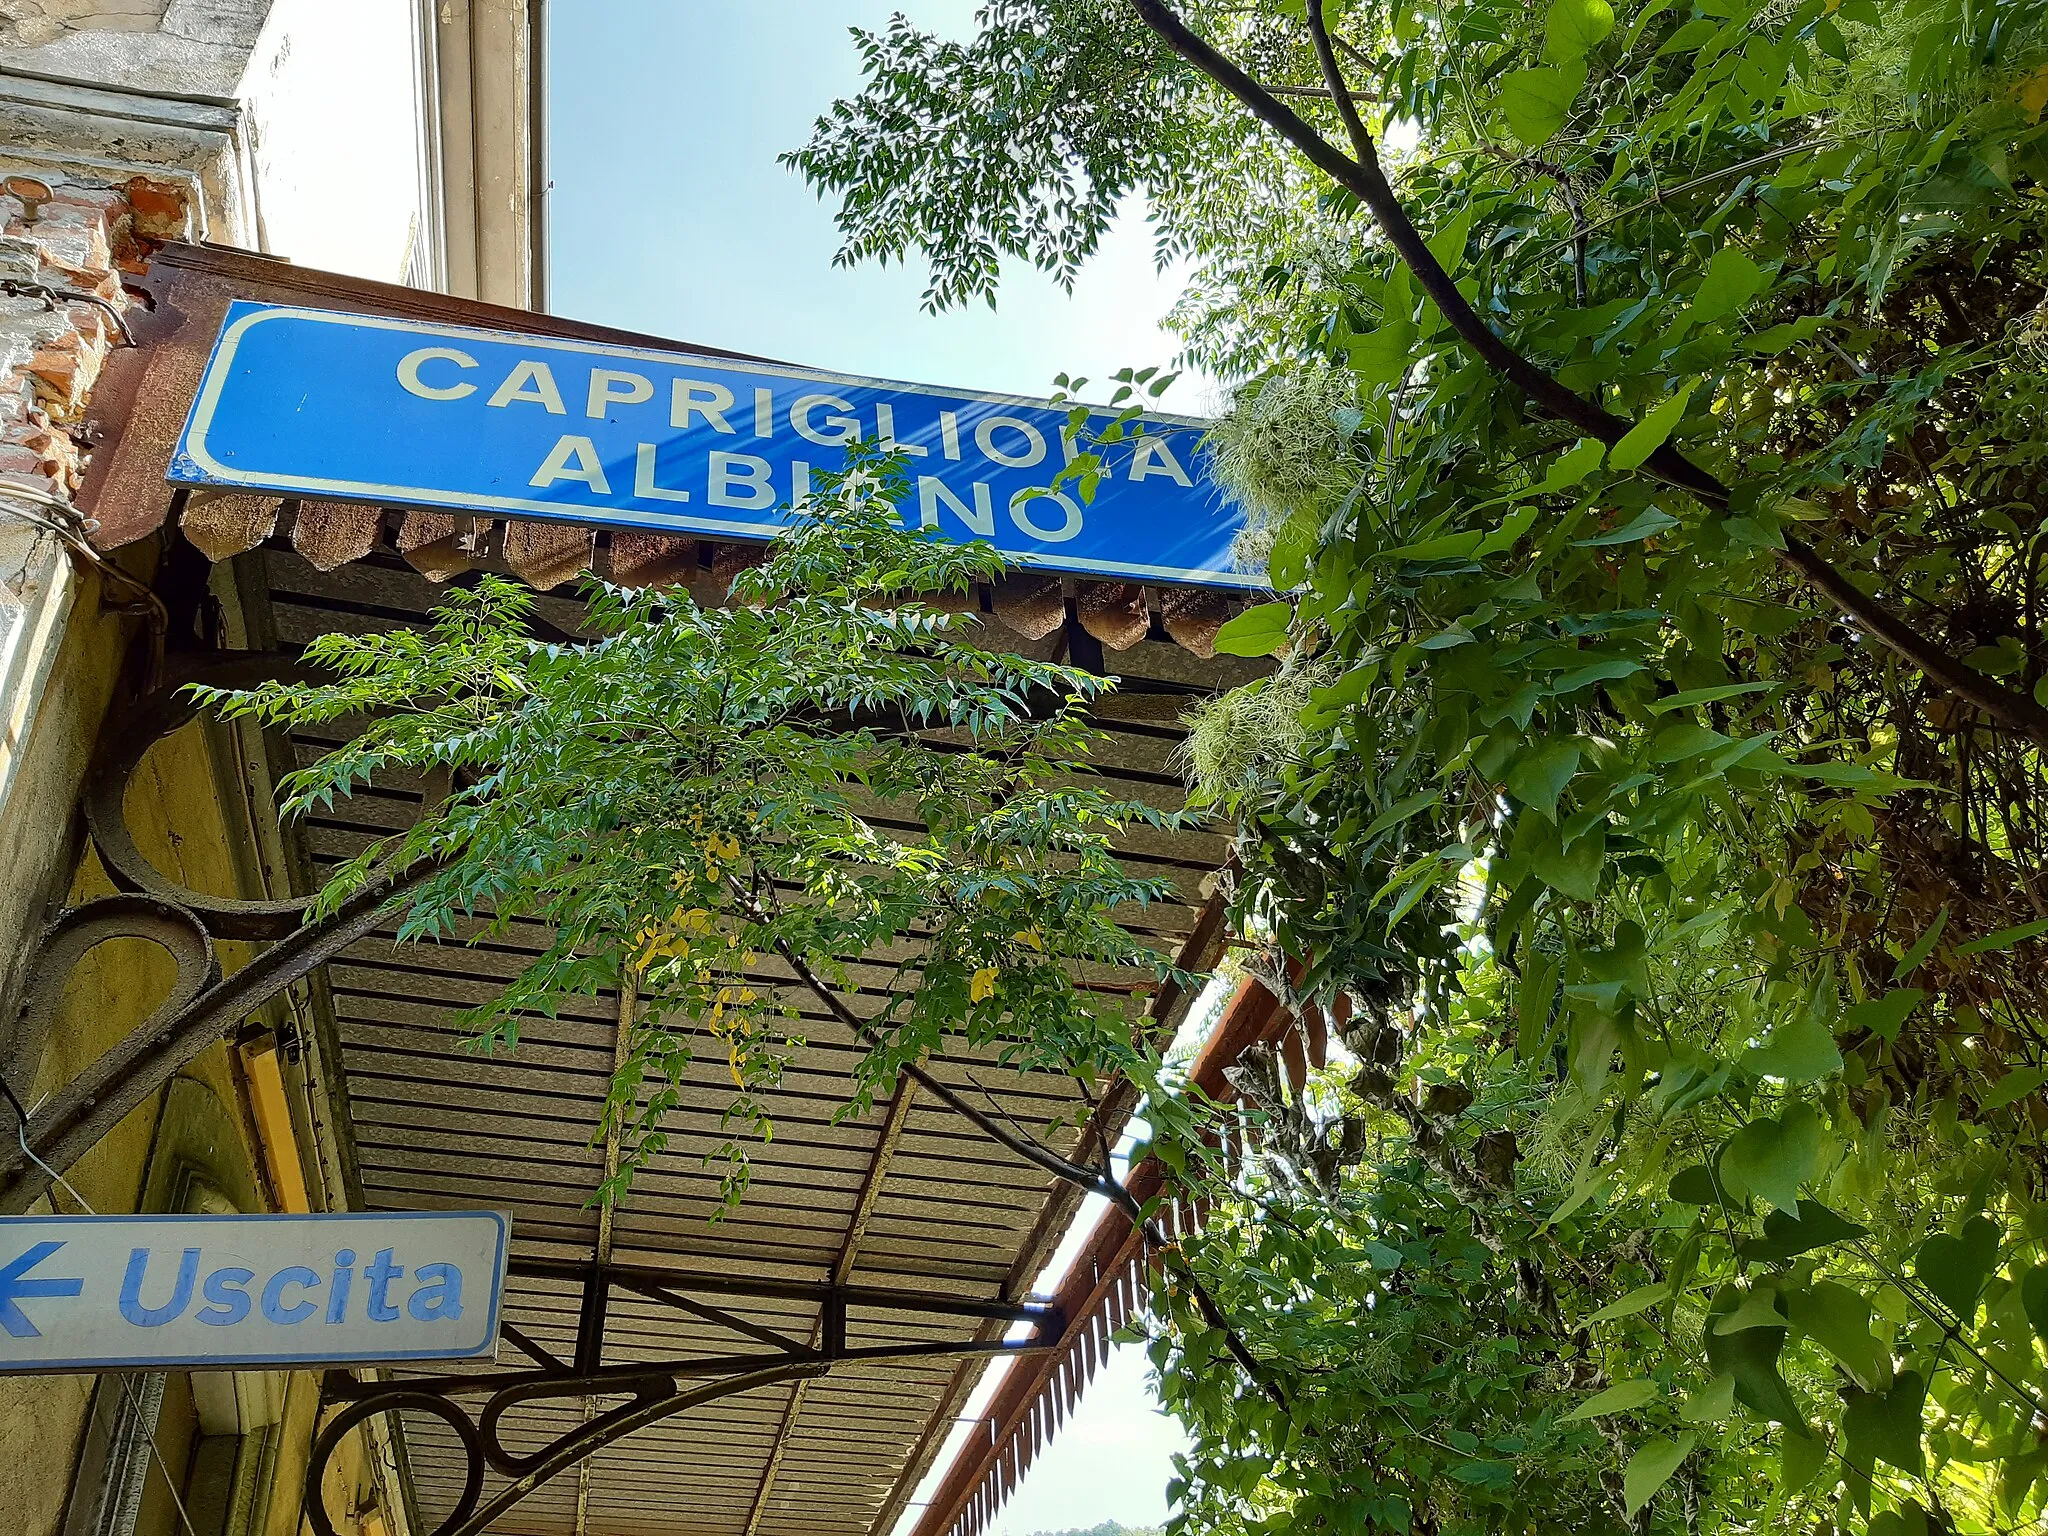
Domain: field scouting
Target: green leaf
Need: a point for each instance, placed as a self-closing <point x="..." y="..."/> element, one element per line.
<point x="1257" y="631"/>
<point x="1694" y="1186"/>
<point x="1646" y="524"/>
<point x="1750" y="1355"/>
<point x="1838" y="1319"/>
<point x="1800" y="1459"/>
<point x="1400" y="811"/>
<point x="1954" y="1266"/>
<point x="1651" y="1468"/>
<point x="1574" y="464"/>
<point x="1731" y="281"/>
<point x="1787" y="1236"/>
<point x="1287" y="564"/>
<point x="1883" y="1016"/>
<point x="1885" y="1426"/>
<point x="1503" y="538"/>
<point x="1606" y="670"/>
<point x="1537" y="778"/>
<point x="1485" y="1474"/>
<point x="1575" y="28"/>
<point x="1759" y="1309"/>
<point x="1573" y="871"/>
<point x="1382" y="356"/>
<point x="1619" y="1398"/>
<point x="1449" y="546"/>
<point x="1536" y="102"/>
<point x="2012" y="1087"/>
<point x="1691" y="696"/>
<point x="2005" y="938"/>
<point x="1772" y="1158"/>
<point x="1447" y="245"/>
<point x="1922" y="947"/>
<point x="1650" y="434"/>
<point x="1641" y="1299"/>
<point x="1682" y="739"/>
<point x="1800" y="1050"/>
<point x="2034" y="1298"/>
<point x="1712" y="1403"/>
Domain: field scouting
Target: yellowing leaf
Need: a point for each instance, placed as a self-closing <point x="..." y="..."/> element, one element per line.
<point x="2032" y="94"/>
<point x="1030" y="939"/>
<point x="983" y="986"/>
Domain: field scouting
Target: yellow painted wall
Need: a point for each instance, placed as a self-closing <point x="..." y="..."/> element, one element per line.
<point x="175" y="812"/>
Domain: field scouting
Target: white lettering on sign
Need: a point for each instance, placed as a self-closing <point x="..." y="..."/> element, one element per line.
<point x="1154" y="456"/>
<point x="711" y="401"/>
<point x="643" y="477"/>
<point x="839" y="429"/>
<point x="1031" y="451"/>
<point x="85" y="1292"/>
<point x="530" y="381"/>
<point x="609" y="387"/>
<point x="740" y="480"/>
<point x="410" y="380"/>
<point x="932" y="494"/>
<point x="354" y="407"/>
<point x="572" y="458"/>
<point x="1025" y="523"/>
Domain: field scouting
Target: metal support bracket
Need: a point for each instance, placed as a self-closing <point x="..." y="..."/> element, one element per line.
<point x="203" y="1007"/>
<point x="653" y="1391"/>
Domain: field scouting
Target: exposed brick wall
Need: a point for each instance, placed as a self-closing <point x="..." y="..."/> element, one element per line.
<point x="73" y="238"/>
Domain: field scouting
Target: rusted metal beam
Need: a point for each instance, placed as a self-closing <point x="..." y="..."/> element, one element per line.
<point x="1094" y="1288"/>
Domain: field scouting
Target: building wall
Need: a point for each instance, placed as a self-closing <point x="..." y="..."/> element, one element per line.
<point x="299" y="123"/>
<point x="67" y="657"/>
<point x="335" y="107"/>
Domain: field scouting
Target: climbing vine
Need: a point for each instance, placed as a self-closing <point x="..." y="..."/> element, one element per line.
<point x="1639" y="408"/>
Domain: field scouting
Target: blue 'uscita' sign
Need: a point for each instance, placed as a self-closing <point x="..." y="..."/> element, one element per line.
<point x="369" y="408"/>
<point x="123" y="1292"/>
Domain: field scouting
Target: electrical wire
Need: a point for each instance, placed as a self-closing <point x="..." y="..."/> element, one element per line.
<point x="21" y="1135"/>
<point x="71" y="527"/>
<point x="53" y="296"/>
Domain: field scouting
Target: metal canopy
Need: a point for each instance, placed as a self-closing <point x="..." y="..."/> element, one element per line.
<point x="909" y="1208"/>
<point x="790" y="1367"/>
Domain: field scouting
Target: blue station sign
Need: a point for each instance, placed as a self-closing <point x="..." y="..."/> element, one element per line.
<point x="85" y="1293"/>
<point x="366" y="408"/>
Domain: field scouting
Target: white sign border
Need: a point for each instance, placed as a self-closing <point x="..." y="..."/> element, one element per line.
<point x="192" y="442"/>
<point x="81" y="1366"/>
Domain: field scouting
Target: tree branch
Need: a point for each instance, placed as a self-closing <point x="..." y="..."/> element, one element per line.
<point x="1032" y="1151"/>
<point x="1365" y="179"/>
<point x="1340" y="89"/>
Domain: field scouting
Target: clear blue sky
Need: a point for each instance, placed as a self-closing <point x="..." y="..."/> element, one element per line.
<point x="670" y="215"/>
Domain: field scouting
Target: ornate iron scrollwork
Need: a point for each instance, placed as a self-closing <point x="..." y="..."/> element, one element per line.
<point x="203" y="1007"/>
<point x="654" y="1392"/>
<point x="126" y="740"/>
